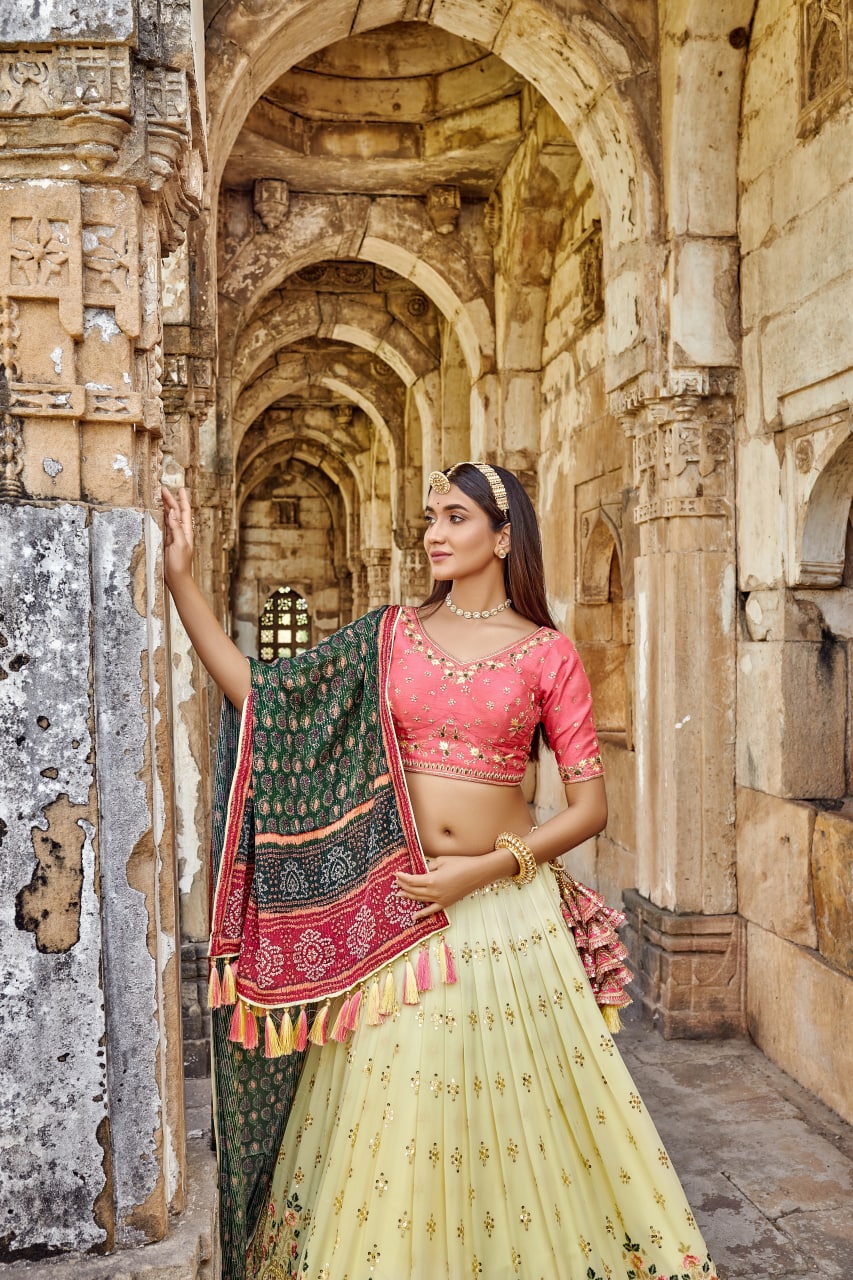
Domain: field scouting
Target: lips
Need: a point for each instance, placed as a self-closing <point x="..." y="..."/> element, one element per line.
<point x="439" y="555"/>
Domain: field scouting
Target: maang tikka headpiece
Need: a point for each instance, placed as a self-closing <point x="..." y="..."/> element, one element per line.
<point x="440" y="481"/>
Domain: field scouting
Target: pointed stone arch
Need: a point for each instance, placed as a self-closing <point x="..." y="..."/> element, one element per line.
<point x="822" y="521"/>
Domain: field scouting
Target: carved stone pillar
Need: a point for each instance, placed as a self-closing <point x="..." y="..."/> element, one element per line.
<point x="360" y="594"/>
<point x="413" y="565"/>
<point x="377" y="561"/>
<point x="685" y="695"/>
<point x="345" y="595"/>
<point x="97" y="179"/>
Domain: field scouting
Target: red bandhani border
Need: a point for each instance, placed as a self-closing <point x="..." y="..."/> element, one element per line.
<point x="307" y="946"/>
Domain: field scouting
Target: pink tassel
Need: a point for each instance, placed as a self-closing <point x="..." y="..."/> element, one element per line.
<point x="341" y="1027"/>
<point x="319" y="1030"/>
<point x="237" y="1030"/>
<point x="214" y="990"/>
<point x="250" y="1040"/>
<point x="354" y="1011"/>
<point x="300" y="1041"/>
<point x="424" y="975"/>
<point x="448" y="969"/>
<point x="272" y="1048"/>
<point x="229" y="984"/>
<point x="410" y="985"/>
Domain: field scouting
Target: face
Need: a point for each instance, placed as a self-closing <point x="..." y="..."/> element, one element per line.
<point x="459" y="538"/>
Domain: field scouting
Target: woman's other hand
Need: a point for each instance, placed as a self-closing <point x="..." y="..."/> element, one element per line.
<point x="178" y="534"/>
<point x="452" y="877"/>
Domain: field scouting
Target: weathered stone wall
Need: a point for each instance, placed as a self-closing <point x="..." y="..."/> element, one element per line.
<point x="794" y="492"/>
<point x="92" y="1116"/>
<point x="99" y="176"/>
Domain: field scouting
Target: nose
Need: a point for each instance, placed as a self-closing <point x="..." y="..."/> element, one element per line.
<point x="433" y="534"/>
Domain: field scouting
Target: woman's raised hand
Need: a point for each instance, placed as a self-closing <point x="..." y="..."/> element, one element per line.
<point x="178" y="534"/>
<point x="220" y="655"/>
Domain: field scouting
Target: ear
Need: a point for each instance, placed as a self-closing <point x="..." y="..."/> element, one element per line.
<point x="502" y="542"/>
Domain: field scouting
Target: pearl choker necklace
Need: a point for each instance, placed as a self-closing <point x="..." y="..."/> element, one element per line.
<point x="476" y="613"/>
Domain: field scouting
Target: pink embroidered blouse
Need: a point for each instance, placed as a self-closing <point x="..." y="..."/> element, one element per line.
<point x="476" y="720"/>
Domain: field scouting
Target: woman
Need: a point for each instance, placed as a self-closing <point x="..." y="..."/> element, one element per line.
<point x="479" y="1125"/>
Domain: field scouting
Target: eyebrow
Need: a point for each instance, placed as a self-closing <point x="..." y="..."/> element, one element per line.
<point x="451" y="506"/>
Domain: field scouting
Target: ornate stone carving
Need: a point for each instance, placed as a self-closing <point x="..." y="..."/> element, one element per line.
<point x="493" y="219"/>
<point x="443" y="205"/>
<point x="271" y="200"/>
<point x="41" y="248"/>
<point x="65" y="79"/>
<point x="69" y="100"/>
<point x="590" y="264"/>
<point x="335" y="276"/>
<point x="683" y="448"/>
<point x="824" y="59"/>
<point x="111" y="255"/>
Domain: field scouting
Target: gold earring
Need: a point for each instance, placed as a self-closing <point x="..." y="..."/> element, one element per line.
<point x="502" y="554"/>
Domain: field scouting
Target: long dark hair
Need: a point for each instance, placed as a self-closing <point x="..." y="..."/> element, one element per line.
<point x="524" y="572"/>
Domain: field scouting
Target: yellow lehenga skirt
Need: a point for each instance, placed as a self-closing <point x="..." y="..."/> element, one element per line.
<point x="490" y="1131"/>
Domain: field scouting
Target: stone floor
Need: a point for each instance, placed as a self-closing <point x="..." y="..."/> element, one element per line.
<point x="767" y="1168"/>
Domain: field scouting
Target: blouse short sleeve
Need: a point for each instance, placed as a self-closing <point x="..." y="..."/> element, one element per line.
<point x="567" y="714"/>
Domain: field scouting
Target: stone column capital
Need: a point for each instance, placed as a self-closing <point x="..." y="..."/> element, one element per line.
<point x="683" y="446"/>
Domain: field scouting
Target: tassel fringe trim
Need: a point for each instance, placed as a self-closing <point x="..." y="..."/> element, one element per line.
<point x="379" y="997"/>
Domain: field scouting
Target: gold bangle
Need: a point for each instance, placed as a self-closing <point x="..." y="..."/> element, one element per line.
<point x="523" y="854"/>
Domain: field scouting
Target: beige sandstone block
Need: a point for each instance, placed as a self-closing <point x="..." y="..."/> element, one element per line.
<point x="791" y="701"/>
<point x="832" y="871"/>
<point x="621" y="781"/>
<point x="51" y="458"/>
<point x="615" y="870"/>
<point x="773" y="876"/>
<point x="806" y="344"/>
<point x="804" y="259"/>
<point x="799" y="1009"/>
<point x="702" y="187"/>
<point x="759" y="545"/>
<point x="704" y="325"/>
<point x="605" y="667"/>
<point x="756" y="210"/>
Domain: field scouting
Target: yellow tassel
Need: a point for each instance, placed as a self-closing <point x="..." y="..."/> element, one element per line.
<point x="373" y="1016"/>
<point x="389" y="995"/>
<point x="317" y="1034"/>
<point x="410" y="985"/>
<point x="285" y="1034"/>
<point x="612" y="1021"/>
<point x="445" y="963"/>
<point x="272" y="1048"/>
<point x="229" y="986"/>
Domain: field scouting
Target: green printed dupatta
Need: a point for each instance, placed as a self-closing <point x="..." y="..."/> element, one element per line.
<point x="311" y="821"/>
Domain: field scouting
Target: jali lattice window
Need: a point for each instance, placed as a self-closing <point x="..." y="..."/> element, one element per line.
<point x="285" y="626"/>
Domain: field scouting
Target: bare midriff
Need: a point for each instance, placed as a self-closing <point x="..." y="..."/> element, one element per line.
<point x="455" y="816"/>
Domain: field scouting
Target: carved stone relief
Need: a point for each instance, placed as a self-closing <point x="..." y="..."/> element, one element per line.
<point x="824" y="59"/>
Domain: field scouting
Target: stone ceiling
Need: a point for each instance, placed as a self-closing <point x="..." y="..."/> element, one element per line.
<point x="392" y="112"/>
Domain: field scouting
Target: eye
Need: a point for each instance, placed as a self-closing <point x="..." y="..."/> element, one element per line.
<point x="456" y="519"/>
